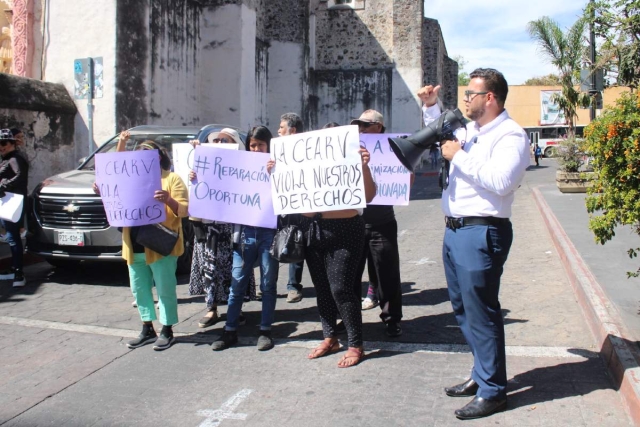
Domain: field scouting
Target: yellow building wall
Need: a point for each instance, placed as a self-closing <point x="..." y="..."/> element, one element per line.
<point x="523" y="103"/>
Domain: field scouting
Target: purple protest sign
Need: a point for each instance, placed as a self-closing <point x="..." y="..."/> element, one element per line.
<point x="393" y="180"/>
<point x="233" y="186"/>
<point x="127" y="181"/>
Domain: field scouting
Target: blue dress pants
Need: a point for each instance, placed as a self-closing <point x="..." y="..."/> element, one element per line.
<point x="473" y="258"/>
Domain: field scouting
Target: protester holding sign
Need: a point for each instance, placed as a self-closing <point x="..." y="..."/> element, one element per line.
<point x="212" y="251"/>
<point x="147" y="267"/>
<point x="335" y="244"/>
<point x="14" y="171"/>
<point x="381" y="253"/>
<point x="250" y="249"/>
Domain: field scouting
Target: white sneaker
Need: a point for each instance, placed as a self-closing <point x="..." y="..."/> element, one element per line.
<point x="368" y="303"/>
<point x="19" y="282"/>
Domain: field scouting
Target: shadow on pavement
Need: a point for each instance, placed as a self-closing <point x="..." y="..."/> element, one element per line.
<point x="543" y="384"/>
<point x="534" y="168"/>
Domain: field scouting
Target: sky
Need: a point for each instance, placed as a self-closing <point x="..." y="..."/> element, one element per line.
<point x="493" y="33"/>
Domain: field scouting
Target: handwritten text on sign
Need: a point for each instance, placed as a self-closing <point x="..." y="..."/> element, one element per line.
<point x="183" y="159"/>
<point x="233" y="186"/>
<point x="317" y="171"/>
<point x="393" y="180"/>
<point x="127" y="183"/>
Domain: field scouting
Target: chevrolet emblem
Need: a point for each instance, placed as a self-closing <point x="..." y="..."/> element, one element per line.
<point x="71" y="208"/>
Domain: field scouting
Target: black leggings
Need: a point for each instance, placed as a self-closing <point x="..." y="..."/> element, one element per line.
<point x="333" y="254"/>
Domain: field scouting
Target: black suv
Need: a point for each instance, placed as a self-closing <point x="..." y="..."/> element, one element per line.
<point x="67" y="222"/>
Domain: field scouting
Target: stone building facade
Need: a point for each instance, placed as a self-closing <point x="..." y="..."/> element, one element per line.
<point x="240" y="62"/>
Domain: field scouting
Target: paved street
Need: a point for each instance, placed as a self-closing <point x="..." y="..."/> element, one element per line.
<point x="64" y="362"/>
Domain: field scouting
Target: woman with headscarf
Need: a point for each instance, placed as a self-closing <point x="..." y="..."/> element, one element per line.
<point x="212" y="251"/>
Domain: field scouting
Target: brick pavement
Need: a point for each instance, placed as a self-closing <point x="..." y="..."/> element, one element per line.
<point x="389" y="388"/>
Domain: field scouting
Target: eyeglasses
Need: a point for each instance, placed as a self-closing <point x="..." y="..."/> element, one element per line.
<point x="222" y="140"/>
<point x="468" y="93"/>
<point x="366" y="124"/>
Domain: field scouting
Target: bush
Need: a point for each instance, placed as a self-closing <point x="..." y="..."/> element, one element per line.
<point x="570" y="154"/>
<point x="613" y="142"/>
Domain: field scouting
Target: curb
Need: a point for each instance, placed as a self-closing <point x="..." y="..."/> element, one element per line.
<point x="619" y="353"/>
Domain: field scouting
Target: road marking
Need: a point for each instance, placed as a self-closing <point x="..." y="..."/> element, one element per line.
<point x="421" y="261"/>
<point x="226" y="411"/>
<point x="517" y="351"/>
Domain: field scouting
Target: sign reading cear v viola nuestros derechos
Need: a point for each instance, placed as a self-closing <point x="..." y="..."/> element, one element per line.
<point x="317" y="171"/>
<point x="127" y="182"/>
<point x="232" y="186"/>
<point x="393" y="180"/>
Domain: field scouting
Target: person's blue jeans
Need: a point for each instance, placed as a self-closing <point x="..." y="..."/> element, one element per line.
<point x="295" y="276"/>
<point x="473" y="258"/>
<point x="253" y="251"/>
<point x="15" y="243"/>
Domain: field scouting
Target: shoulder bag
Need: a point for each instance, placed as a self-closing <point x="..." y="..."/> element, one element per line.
<point x="158" y="238"/>
<point x="288" y="244"/>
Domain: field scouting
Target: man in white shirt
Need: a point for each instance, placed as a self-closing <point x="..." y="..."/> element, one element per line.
<point x="488" y="160"/>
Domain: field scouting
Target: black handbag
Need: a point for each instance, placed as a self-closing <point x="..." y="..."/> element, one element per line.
<point x="288" y="244"/>
<point x="158" y="238"/>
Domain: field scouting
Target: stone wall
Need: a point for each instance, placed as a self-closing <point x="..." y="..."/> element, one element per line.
<point x="438" y="68"/>
<point x="45" y="113"/>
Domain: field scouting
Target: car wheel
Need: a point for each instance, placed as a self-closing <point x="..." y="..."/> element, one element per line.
<point x="63" y="263"/>
<point x="184" y="262"/>
<point x="549" y="152"/>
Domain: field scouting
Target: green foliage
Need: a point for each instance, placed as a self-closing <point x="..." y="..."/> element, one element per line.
<point x="463" y="76"/>
<point x="548" y="80"/>
<point x="613" y="142"/>
<point x="570" y="154"/>
<point x="617" y="24"/>
<point x="565" y="51"/>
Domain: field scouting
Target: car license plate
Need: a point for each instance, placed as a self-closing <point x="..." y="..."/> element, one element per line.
<point x="71" y="238"/>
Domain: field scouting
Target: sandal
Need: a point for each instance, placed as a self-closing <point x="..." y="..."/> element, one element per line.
<point x="352" y="357"/>
<point x="324" y="348"/>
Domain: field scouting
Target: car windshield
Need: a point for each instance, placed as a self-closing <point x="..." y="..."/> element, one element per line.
<point x="110" y="146"/>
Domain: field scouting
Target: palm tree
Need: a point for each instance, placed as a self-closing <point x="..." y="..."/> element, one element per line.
<point x="565" y="51"/>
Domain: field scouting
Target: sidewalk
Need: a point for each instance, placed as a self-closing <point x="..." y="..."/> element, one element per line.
<point x="597" y="273"/>
<point x="64" y="361"/>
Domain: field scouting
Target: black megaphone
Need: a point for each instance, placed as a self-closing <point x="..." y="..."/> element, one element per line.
<point x="408" y="149"/>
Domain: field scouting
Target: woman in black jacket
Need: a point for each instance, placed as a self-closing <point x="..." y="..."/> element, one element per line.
<point x="14" y="171"/>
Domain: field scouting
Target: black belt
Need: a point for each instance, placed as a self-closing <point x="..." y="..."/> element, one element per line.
<point x="455" y="223"/>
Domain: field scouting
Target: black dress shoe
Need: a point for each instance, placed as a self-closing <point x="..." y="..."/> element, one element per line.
<point x="467" y="388"/>
<point x="480" y="407"/>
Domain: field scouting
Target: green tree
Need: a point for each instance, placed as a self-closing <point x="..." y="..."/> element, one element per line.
<point x="463" y="76"/>
<point x="548" y="80"/>
<point x="565" y="51"/>
<point x="617" y="25"/>
<point x="613" y="142"/>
